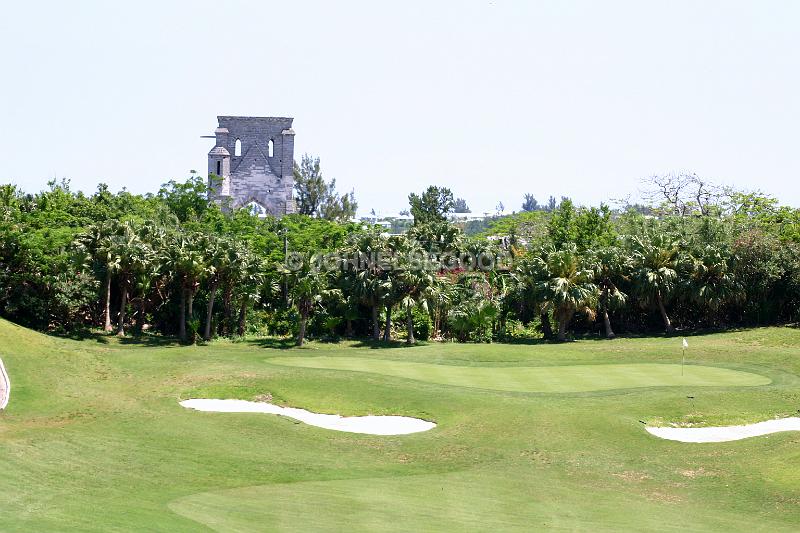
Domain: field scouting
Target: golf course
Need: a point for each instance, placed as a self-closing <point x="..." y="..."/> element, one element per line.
<point x="527" y="436"/>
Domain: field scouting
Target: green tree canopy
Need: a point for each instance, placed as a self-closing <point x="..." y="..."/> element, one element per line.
<point x="432" y="205"/>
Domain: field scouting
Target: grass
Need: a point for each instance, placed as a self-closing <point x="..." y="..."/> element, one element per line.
<point x="564" y="378"/>
<point x="94" y="439"/>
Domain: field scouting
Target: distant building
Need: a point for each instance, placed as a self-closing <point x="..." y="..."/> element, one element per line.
<point x="251" y="164"/>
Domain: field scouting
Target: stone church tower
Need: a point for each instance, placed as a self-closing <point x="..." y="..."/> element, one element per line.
<point x="251" y="164"/>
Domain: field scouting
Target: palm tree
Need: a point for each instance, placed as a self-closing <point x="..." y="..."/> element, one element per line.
<point x="475" y="307"/>
<point x="712" y="283"/>
<point x="529" y="280"/>
<point x="436" y="237"/>
<point x="388" y="295"/>
<point x="132" y="256"/>
<point x="350" y="306"/>
<point x="370" y="289"/>
<point x="439" y="295"/>
<point x="655" y="258"/>
<point x="411" y="280"/>
<point x="149" y="268"/>
<point x="460" y="319"/>
<point x="472" y="303"/>
<point x="220" y="253"/>
<point x="393" y="290"/>
<point x="611" y="264"/>
<point x="501" y="284"/>
<point x="570" y="286"/>
<point x="194" y="270"/>
<point x="94" y="245"/>
<point x="367" y="278"/>
<point x="473" y="316"/>
<point x="184" y="260"/>
<point x="307" y="286"/>
<point x="250" y="279"/>
<point x="172" y="256"/>
<point x="238" y="263"/>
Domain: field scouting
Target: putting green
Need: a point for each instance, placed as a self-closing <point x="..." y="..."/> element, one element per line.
<point x="567" y="378"/>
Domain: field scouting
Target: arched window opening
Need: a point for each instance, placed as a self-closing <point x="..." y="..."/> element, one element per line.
<point x="270" y="148"/>
<point x="256" y="209"/>
<point x="237" y="148"/>
<point x="219" y="168"/>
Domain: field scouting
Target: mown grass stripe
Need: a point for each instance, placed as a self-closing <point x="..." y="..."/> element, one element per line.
<point x="567" y="378"/>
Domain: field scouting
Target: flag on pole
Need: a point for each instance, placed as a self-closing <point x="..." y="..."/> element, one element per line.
<point x="683" y="354"/>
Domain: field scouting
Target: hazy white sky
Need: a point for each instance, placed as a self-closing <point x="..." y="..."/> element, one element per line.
<point x="492" y="99"/>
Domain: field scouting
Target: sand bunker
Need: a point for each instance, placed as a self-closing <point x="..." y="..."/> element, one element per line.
<point x="5" y="386"/>
<point x="726" y="433"/>
<point x="372" y="425"/>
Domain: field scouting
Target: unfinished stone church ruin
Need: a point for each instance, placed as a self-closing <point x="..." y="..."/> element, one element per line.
<point x="251" y="164"/>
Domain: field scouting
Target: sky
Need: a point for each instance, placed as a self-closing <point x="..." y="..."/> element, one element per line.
<point x="492" y="99"/>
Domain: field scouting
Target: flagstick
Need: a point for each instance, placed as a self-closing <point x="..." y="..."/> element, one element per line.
<point x="683" y="358"/>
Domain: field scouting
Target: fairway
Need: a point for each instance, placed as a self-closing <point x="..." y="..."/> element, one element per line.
<point x="94" y="437"/>
<point x="475" y="500"/>
<point x="553" y="379"/>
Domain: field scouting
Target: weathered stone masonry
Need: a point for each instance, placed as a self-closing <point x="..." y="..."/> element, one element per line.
<point x="259" y="173"/>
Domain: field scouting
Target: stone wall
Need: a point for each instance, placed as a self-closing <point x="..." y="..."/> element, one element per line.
<point x="253" y="174"/>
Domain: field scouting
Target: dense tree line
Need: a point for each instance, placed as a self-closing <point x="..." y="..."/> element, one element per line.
<point x="170" y="263"/>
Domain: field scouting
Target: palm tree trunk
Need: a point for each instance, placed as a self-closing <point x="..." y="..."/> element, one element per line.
<point x="301" y="334"/>
<point x="410" y="326"/>
<point x="242" y="317"/>
<point x="209" y="311"/>
<point x="387" y="332"/>
<point x="226" y="310"/>
<point x="190" y="304"/>
<point x="562" y="328"/>
<point x="349" y="328"/>
<point x="182" y="318"/>
<point x="107" y="327"/>
<point x="376" y="327"/>
<point x="140" y="315"/>
<point x="547" y="329"/>
<point x="607" y="323"/>
<point x="123" y="304"/>
<point x="664" y="316"/>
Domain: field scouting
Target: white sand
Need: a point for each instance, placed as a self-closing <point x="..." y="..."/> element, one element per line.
<point x="727" y="433"/>
<point x="372" y="425"/>
<point x="5" y="386"/>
